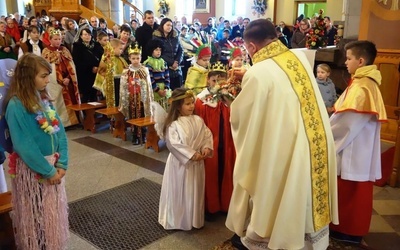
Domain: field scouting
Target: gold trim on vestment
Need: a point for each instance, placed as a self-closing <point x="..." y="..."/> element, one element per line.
<point x="313" y="124"/>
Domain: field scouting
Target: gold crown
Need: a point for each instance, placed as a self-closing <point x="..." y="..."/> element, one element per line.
<point x="55" y="32"/>
<point x="135" y="49"/>
<point x="218" y="66"/>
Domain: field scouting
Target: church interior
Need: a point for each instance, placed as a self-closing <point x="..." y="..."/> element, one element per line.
<point x="103" y="163"/>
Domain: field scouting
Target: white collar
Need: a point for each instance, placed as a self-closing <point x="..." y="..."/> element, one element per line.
<point x="33" y="43"/>
<point x="203" y="95"/>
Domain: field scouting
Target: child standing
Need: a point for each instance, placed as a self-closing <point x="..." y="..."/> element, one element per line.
<point x="196" y="78"/>
<point x="109" y="73"/>
<point x="326" y="86"/>
<point x="39" y="161"/>
<point x="209" y="108"/>
<point x="159" y="73"/>
<point x="63" y="86"/>
<point x="356" y="126"/>
<point x="136" y="92"/>
<point x="190" y="142"/>
<point x="33" y="44"/>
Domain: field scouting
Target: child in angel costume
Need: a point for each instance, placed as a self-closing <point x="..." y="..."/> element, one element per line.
<point x="196" y="78"/>
<point x="159" y="73"/>
<point x="109" y="73"/>
<point x="136" y="92"/>
<point x="63" y="86"/>
<point x="189" y="141"/>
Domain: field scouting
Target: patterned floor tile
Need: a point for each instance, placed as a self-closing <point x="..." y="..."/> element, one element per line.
<point x="379" y="224"/>
<point x="383" y="241"/>
<point x="393" y="221"/>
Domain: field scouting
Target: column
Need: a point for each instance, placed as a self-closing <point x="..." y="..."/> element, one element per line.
<point x="117" y="12"/>
<point x="352" y="13"/>
<point x="112" y="8"/>
<point x="127" y="12"/>
<point x="3" y="8"/>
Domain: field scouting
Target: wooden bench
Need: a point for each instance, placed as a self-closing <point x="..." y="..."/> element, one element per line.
<point x="6" y="228"/>
<point x="89" y="122"/>
<point x="151" y="136"/>
<point x="118" y="129"/>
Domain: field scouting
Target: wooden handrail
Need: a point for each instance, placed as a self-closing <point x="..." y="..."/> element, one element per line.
<point x="133" y="7"/>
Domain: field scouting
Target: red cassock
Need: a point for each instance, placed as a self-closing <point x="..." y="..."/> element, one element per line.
<point x="355" y="207"/>
<point x="219" y="168"/>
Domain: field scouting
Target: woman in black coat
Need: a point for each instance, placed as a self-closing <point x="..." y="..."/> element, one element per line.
<point x="86" y="54"/>
<point x="172" y="51"/>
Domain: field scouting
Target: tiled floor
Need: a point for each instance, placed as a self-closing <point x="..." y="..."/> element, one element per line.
<point x="99" y="162"/>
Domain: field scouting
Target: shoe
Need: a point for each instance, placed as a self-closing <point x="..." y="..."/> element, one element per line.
<point x="136" y="141"/>
<point x="236" y="242"/>
<point x="341" y="237"/>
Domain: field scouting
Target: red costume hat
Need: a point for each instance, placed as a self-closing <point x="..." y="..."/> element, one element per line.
<point x="203" y="49"/>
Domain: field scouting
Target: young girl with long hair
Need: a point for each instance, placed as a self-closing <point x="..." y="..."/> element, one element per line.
<point x="189" y="142"/>
<point x="39" y="161"/>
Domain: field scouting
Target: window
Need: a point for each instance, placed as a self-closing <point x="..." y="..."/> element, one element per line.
<point x="184" y="8"/>
<point x="235" y="8"/>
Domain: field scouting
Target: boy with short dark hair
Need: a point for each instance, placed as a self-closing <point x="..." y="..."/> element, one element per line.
<point x="356" y="126"/>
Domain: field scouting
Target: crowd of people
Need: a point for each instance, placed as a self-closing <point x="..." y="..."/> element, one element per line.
<point x="251" y="131"/>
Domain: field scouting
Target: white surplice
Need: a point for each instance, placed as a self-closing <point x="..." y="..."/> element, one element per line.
<point x="352" y="132"/>
<point x="272" y="181"/>
<point x="182" y="192"/>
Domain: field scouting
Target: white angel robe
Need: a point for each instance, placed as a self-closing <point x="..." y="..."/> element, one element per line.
<point x="182" y="192"/>
<point x="272" y="195"/>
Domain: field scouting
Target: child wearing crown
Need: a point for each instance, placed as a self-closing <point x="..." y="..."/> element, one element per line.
<point x="159" y="73"/>
<point x="136" y="92"/>
<point x="63" y="86"/>
<point x="220" y="166"/>
<point x="109" y="73"/>
<point x="197" y="74"/>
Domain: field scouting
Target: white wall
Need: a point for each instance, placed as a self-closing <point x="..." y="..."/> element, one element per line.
<point x="285" y="9"/>
<point x="219" y="10"/>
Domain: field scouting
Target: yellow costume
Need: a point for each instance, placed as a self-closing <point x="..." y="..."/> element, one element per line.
<point x="111" y="66"/>
<point x="196" y="78"/>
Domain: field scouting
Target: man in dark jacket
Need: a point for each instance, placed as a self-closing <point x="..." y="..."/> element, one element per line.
<point x="145" y="32"/>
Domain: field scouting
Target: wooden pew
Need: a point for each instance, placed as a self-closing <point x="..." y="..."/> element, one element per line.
<point x="89" y="121"/>
<point x="151" y="136"/>
<point x="7" y="240"/>
<point x="118" y="129"/>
